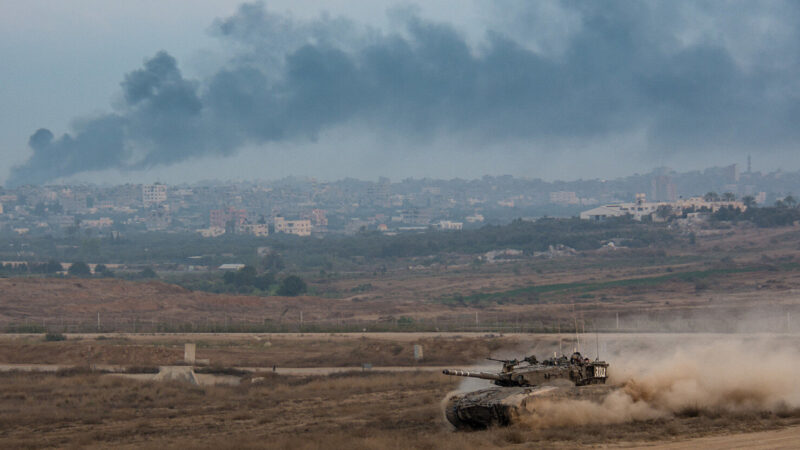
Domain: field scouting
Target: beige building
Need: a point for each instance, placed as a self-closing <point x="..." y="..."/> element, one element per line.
<point x="153" y="194"/>
<point x="564" y="198"/>
<point x="297" y="227"/>
<point x="642" y="208"/>
<point x="256" y="229"/>
<point x="211" y="232"/>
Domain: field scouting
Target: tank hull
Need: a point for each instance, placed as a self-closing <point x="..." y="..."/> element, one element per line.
<point x="501" y="406"/>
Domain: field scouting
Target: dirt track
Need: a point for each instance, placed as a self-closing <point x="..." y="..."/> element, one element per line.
<point x="763" y="440"/>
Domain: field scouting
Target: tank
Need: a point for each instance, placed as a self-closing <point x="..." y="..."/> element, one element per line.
<point x="521" y="381"/>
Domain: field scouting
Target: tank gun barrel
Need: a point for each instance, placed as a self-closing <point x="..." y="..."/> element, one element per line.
<point x="466" y="373"/>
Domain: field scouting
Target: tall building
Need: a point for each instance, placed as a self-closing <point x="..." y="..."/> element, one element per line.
<point x="731" y="173"/>
<point x="662" y="189"/>
<point x="153" y="194"/>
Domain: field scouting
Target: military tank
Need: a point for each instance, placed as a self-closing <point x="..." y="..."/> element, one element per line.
<point x="518" y="383"/>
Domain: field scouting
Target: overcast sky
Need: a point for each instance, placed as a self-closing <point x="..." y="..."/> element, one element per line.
<point x="187" y="90"/>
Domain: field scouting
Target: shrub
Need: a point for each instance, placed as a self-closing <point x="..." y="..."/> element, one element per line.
<point x="54" y="337"/>
<point x="79" y="269"/>
<point x="292" y="286"/>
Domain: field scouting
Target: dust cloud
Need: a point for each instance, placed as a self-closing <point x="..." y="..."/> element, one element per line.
<point x="725" y="376"/>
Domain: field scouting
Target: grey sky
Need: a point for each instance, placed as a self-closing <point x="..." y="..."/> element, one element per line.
<point x="552" y="89"/>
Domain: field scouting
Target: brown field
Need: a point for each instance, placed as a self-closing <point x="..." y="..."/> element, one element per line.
<point x="726" y="384"/>
<point x="372" y="410"/>
<point x="732" y="272"/>
<point x="375" y="409"/>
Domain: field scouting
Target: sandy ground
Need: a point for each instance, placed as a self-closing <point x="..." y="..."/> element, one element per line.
<point x="788" y="438"/>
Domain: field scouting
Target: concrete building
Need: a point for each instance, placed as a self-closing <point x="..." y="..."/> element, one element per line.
<point x="102" y="222"/>
<point x="255" y="229"/>
<point x="474" y="218"/>
<point x="211" y="232"/>
<point x="297" y="227"/>
<point x="642" y="208"/>
<point x="663" y="189"/>
<point x="221" y="218"/>
<point x="564" y="198"/>
<point x="154" y="194"/>
<point x="158" y="219"/>
<point x="448" y="225"/>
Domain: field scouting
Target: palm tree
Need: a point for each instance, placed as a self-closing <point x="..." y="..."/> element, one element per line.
<point x="728" y="196"/>
<point x="749" y="201"/>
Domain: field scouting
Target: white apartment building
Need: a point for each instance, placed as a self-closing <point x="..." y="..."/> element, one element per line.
<point x="448" y="225"/>
<point x="153" y="194"/>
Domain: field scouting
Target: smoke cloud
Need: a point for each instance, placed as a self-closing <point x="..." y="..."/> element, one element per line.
<point x="655" y="68"/>
<point x="725" y="377"/>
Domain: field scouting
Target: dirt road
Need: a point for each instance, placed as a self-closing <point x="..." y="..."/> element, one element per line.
<point x="778" y="439"/>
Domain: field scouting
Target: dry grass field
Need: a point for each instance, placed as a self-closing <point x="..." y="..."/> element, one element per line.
<point x="355" y="410"/>
<point x="729" y="272"/>
<point x="673" y="386"/>
<point x="682" y="388"/>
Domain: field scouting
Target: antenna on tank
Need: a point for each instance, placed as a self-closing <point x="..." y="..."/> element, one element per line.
<point x="596" y="342"/>
<point x="577" y="336"/>
<point x="560" y="351"/>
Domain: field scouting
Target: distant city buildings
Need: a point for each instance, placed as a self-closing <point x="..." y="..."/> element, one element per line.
<point x="353" y="206"/>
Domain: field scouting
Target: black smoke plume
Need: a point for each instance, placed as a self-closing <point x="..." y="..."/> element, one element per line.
<point x="625" y="68"/>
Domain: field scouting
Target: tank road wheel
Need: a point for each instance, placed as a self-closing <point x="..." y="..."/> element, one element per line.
<point x="451" y="413"/>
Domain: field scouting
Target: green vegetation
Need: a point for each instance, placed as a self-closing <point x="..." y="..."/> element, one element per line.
<point x="292" y="286"/>
<point x="79" y="269"/>
<point x="582" y="289"/>
<point x="54" y="337"/>
<point x="287" y="252"/>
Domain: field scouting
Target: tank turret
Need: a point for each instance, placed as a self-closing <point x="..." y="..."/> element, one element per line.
<point x="516" y="382"/>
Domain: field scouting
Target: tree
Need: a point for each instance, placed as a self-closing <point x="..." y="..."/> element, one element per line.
<point x="273" y="262"/>
<point x="663" y="211"/>
<point x="749" y="201"/>
<point x="103" y="271"/>
<point x="264" y="281"/>
<point x="729" y="196"/>
<point x="245" y="276"/>
<point x="292" y="286"/>
<point x="53" y="266"/>
<point x="79" y="269"/>
<point x="789" y="201"/>
<point x="711" y="197"/>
